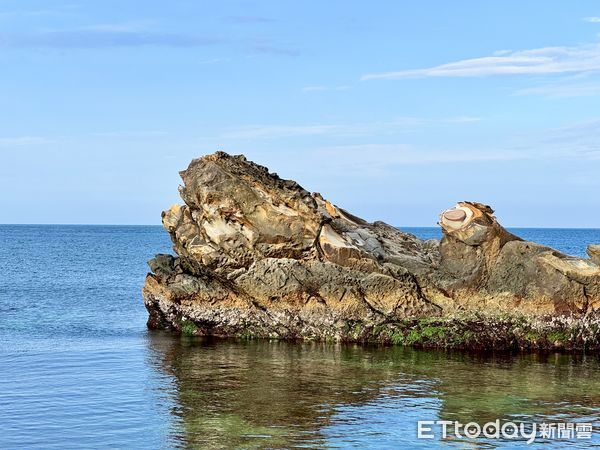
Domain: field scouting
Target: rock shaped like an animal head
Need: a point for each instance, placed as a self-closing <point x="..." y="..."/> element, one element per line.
<point x="469" y="222"/>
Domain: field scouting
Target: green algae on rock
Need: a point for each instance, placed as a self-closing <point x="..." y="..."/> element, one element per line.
<point x="259" y="256"/>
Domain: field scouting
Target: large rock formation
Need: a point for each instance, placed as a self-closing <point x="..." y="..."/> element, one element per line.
<point x="261" y="256"/>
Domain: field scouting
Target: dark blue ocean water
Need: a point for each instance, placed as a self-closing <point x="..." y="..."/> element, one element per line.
<point x="78" y="369"/>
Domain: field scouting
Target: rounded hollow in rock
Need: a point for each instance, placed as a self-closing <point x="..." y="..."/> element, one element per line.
<point x="455" y="215"/>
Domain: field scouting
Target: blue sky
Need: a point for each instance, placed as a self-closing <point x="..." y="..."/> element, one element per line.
<point x="393" y="110"/>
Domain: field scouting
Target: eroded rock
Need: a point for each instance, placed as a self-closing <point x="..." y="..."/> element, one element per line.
<point x="594" y="252"/>
<point x="259" y="255"/>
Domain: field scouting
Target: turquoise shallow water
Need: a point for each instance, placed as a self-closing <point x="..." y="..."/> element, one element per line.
<point x="78" y="369"/>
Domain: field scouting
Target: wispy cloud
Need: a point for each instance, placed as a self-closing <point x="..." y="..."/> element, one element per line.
<point x="462" y="119"/>
<point x="397" y="125"/>
<point x="122" y="27"/>
<point x="131" y="134"/>
<point x="579" y="140"/>
<point x="140" y="33"/>
<point x="386" y="155"/>
<point x="563" y="90"/>
<point x="280" y="131"/>
<point x="59" y="10"/>
<point x="248" y="19"/>
<point x="26" y="13"/>
<point x="583" y="58"/>
<point x="214" y="60"/>
<point x="575" y="141"/>
<point x="23" y="140"/>
<point x="314" y="88"/>
<point x="373" y="160"/>
<point x="592" y="19"/>
<point x="320" y="88"/>
<point x="100" y="38"/>
<point x="272" y="49"/>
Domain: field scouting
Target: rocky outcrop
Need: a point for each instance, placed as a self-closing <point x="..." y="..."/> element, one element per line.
<point x="258" y="255"/>
<point x="484" y="267"/>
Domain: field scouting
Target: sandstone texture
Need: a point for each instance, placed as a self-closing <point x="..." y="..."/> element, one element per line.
<point x="259" y="256"/>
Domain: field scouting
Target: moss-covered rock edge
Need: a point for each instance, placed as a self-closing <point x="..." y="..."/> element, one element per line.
<point x="468" y="331"/>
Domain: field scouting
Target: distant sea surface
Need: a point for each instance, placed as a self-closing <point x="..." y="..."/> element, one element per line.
<point x="79" y="369"/>
<point x="572" y="241"/>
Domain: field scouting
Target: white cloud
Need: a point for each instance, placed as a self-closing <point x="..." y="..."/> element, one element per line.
<point x="137" y="33"/>
<point x="579" y="140"/>
<point x="248" y="19"/>
<point x="214" y="60"/>
<point x="576" y="141"/>
<point x="397" y="125"/>
<point x="374" y="160"/>
<point x="279" y="131"/>
<point x="58" y="11"/>
<point x="593" y="19"/>
<point x="123" y="27"/>
<point x="131" y="134"/>
<point x="325" y="88"/>
<point x="23" y="140"/>
<point x="585" y="181"/>
<point x="104" y="37"/>
<point x="563" y="90"/>
<point x="314" y="88"/>
<point x="385" y="155"/>
<point x="462" y="119"/>
<point x="584" y="58"/>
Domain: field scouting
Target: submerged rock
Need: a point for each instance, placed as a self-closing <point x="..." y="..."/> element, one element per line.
<point x="261" y="256"/>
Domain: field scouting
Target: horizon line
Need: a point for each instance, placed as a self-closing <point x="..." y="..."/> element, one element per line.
<point x="400" y="227"/>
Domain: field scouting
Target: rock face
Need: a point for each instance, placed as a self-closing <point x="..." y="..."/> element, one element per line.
<point x="261" y="256"/>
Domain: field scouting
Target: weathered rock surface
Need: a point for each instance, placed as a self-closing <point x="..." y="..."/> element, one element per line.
<point x="594" y="252"/>
<point x="261" y="256"/>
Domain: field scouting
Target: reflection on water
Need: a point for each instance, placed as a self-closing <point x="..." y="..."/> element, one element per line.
<point x="274" y="394"/>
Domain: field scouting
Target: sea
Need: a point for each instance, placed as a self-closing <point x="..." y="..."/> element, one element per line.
<point x="79" y="369"/>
